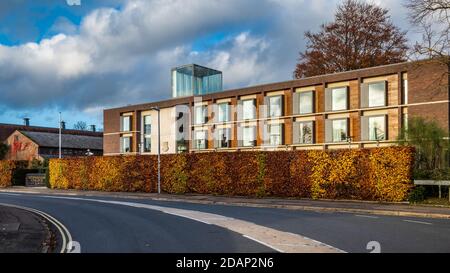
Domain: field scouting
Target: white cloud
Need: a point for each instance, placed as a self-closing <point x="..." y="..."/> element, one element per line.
<point x="118" y="57"/>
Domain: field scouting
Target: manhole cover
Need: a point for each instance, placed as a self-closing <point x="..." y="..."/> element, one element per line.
<point x="9" y="227"/>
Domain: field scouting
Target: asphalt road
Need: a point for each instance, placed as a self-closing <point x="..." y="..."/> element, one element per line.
<point x="105" y="227"/>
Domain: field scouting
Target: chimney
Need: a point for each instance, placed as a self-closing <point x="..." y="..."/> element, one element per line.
<point x="26" y="121"/>
<point x="93" y="128"/>
<point x="63" y="125"/>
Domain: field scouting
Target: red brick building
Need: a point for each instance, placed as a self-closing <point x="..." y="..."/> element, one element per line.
<point x="33" y="142"/>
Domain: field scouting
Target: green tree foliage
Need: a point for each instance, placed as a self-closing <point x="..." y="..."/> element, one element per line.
<point x="431" y="143"/>
<point x="3" y="150"/>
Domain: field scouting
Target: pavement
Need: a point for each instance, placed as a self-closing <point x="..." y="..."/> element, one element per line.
<point x="347" y="206"/>
<point x="138" y="223"/>
<point x="22" y="231"/>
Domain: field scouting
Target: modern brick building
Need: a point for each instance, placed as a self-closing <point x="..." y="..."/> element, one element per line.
<point x="360" y="108"/>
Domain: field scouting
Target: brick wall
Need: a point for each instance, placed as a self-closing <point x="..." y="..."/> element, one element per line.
<point x="427" y="84"/>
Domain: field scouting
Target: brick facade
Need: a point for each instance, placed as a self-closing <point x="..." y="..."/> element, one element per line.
<point x="427" y="96"/>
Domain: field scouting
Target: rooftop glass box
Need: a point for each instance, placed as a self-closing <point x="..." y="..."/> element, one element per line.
<point x="193" y="80"/>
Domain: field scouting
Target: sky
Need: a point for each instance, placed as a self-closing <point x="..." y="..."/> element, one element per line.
<point x="79" y="57"/>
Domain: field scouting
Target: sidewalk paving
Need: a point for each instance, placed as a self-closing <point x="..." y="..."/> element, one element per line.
<point x="22" y="231"/>
<point x="348" y="206"/>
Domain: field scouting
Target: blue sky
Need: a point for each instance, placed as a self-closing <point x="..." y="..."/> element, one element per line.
<point x="80" y="59"/>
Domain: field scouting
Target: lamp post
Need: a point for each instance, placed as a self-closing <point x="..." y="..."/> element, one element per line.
<point x="159" y="146"/>
<point x="60" y="129"/>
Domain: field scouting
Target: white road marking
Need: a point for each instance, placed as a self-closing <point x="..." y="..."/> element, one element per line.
<point x="417" y="222"/>
<point x="366" y="216"/>
<point x="278" y="240"/>
<point x="266" y="244"/>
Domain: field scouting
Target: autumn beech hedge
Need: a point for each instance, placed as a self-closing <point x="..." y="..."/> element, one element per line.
<point x="367" y="174"/>
<point x="8" y="171"/>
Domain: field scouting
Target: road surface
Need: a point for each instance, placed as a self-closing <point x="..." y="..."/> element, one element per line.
<point x="102" y="224"/>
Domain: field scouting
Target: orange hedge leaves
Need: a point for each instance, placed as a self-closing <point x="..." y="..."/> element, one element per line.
<point x="366" y="174"/>
<point x="8" y="169"/>
<point x="6" y="173"/>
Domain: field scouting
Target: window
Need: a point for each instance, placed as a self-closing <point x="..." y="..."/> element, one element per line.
<point x="200" y="139"/>
<point x="377" y="128"/>
<point x="405" y="91"/>
<point x="147" y="134"/>
<point x="275" y="134"/>
<point x="181" y="146"/>
<point x="275" y="106"/>
<point x="306" y="101"/>
<point x="125" y="144"/>
<point x="339" y="130"/>
<point x="147" y="125"/>
<point x="248" y="109"/>
<point x="201" y="113"/>
<point x="405" y="124"/>
<point x="223" y="138"/>
<point x="224" y="112"/>
<point x="248" y="136"/>
<point x="305" y="131"/>
<point x="125" y="123"/>
<point x="147" y="144"/>
<point x="339" y="99"/>
<point x="377" y="94"/>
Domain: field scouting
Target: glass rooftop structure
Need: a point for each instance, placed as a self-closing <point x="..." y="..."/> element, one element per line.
<point x="193" y="80"/>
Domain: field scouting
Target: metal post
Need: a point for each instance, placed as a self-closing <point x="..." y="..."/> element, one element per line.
<point x="159" y="151"/>
<point x="60" y="129"/>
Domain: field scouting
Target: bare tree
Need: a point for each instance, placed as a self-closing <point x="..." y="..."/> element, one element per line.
<point x="80" y="125"/>
<point x="432" y="18"/>
<point x="361" y="35"/>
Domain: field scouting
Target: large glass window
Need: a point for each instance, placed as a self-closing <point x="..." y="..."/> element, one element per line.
<point x="125" y="144"/>
<point x="405" y="91"/>
<point x="192" y="80"/>
<point x="147" y="144"/>
<point x="223" y="140"/>
<point x="224" y="112"/>
<point x="306" y="131"/>
<point x="339" y="99"/>
<point x="147" y="125"/>
<point x="201" y="112"/>
<point x="147" y="133"/>
<point x="306" y="102"/>
<point x="275" y="134"/>
<point x="339" y="130"/>
<point x="377" y="128"/>
<point x="275" y="106"/>
<point x="248" y="136"/>
<point x="377" y="94"/>
<point x="125" y="124"/>
<point x="248" y="109"/>
<point x="200" y="139"/>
